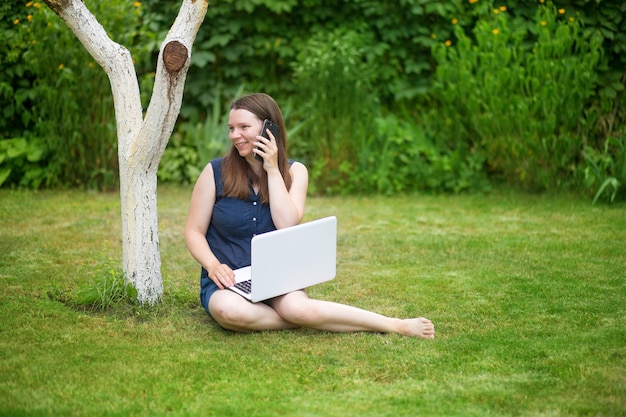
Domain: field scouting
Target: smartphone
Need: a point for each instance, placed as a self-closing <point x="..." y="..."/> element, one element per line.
<point x="273" y="127"/>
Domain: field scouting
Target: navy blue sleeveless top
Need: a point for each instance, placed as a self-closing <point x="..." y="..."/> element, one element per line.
<point x="234" y="223"/>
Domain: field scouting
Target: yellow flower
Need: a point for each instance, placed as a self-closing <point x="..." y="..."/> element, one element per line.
<point x="455" y="21"/>
<point x="36" y="5"/>
<point x="16" y="21"/>
<point x="137" y="4"/>
<point x="496" y="31"/>
<point x="61" y="66"/>
<point x="90" y="65"/>
<point x="473" y="1"/>
<point x="496" y="11"/>
<point x="543" y="23"/>
<point x="571" y="19"/>
<point x="30" y="3"/>
<point x="29" y="17"/>
<point x="542" y="1"/>
<point x="503" y="8"/>
<point x="561" y="11"/>
<point x="448" y="42"/>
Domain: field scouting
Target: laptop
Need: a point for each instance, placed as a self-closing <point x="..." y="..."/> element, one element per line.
<point x="289" y="259"/>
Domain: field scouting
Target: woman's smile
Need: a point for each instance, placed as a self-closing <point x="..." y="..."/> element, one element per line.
<point x="241" y="144"/>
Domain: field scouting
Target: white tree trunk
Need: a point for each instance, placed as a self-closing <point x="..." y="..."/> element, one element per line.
<point x="141" y="142"/>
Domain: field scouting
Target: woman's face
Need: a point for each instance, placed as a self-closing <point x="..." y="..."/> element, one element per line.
<point x="243" y="128"/>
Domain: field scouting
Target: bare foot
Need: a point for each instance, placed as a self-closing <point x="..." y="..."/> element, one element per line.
<point x="419" y="327"/>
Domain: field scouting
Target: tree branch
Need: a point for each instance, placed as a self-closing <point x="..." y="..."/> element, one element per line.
<point x="172" y="66"/>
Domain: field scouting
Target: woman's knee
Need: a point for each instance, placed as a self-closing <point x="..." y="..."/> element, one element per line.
<point x="227" y="312"/>
<point x="298" y="310"/>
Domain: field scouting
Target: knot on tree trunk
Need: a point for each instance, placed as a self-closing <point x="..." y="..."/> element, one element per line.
<point x="57" y="6"/>
<point x="174" y="56"/>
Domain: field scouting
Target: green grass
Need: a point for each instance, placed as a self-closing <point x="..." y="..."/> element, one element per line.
<point x="527" y="294"/>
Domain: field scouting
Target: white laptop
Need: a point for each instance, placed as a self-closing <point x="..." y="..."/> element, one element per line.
<point x="289" y="259"/>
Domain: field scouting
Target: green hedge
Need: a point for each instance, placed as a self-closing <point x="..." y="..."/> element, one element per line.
<point x="411" y="139"/>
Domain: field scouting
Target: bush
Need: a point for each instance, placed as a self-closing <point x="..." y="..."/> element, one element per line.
<point x="63" y="96"/>
<point x="51" y="91"/>
<point x="520" y="105"/>
<point x="336" y="104"/>
<point x="402" y="158"/>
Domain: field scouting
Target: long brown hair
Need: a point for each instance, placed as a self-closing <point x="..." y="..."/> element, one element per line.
<point x="236" y="172"/>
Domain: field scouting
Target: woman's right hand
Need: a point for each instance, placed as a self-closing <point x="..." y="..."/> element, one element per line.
<point x="222" y="276"/>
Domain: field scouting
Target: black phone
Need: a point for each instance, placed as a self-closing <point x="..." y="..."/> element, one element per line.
<point x="273" y="127"/>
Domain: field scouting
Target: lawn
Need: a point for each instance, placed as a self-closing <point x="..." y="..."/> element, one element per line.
<point x="527" y="293"/>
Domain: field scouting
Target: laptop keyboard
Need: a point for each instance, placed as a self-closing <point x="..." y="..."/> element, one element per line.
<point x="244" y="286"/>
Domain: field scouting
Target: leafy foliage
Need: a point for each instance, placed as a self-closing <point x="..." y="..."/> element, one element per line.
<point x="520" y="104"/>
<point x="61" y="95"/>
<point x="20" y="162"/>
<point x="335" y="77"/>
<point x="47" y="93"/>
<point x="403" y="158"/>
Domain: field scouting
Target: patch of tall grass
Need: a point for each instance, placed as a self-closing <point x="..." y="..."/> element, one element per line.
<point x="107" y="289"/>
<point x="606" y="170"/>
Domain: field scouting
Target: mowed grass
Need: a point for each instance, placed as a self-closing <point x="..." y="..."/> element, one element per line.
<point x="527" y="294"/>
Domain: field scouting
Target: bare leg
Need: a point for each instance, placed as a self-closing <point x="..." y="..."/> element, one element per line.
<point x="297" y="307"/>
<point x="235" y="313"/>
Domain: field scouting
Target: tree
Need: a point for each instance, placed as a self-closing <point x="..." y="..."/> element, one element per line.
<point x="141" y="140"/>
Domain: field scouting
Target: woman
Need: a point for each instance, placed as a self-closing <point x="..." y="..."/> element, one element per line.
<point x="238" y="196"/>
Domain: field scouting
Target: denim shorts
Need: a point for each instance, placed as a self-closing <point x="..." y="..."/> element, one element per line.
<point x="207" y="288"/>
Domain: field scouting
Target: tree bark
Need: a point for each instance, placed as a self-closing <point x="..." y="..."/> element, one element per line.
<point x="141" y="141"/>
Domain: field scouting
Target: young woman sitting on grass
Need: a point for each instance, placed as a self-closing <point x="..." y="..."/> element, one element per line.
<point x="238" y="196"/>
